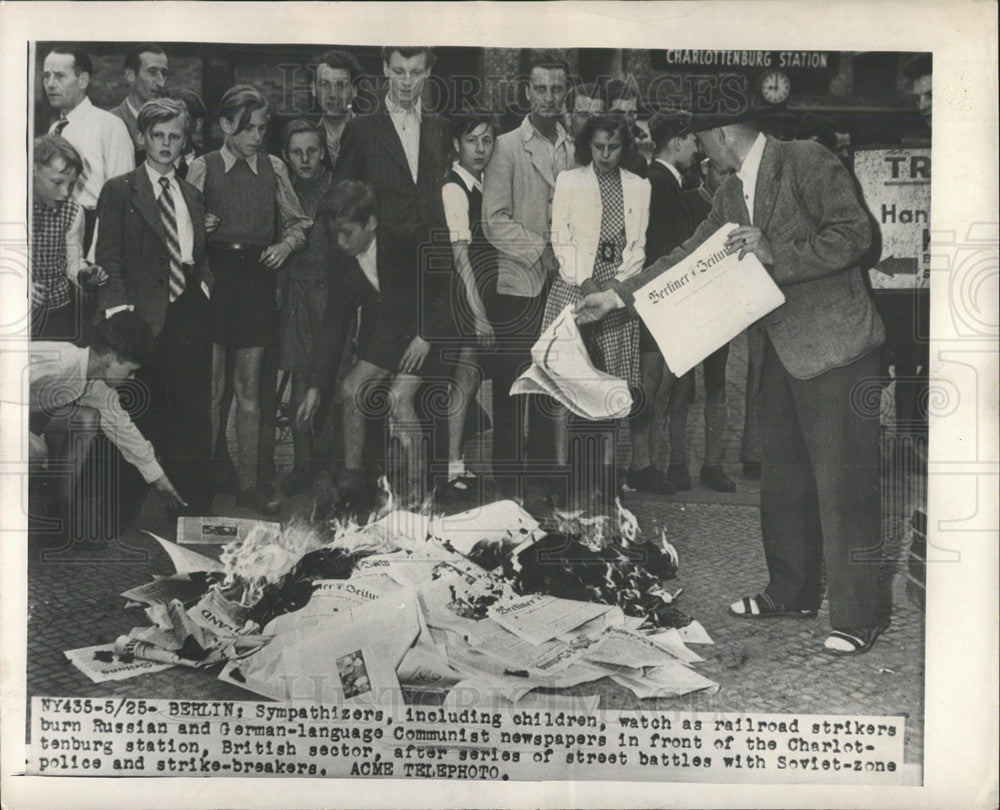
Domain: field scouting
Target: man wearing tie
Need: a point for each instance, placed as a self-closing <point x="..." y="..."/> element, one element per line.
<point x="152" y="244"/>
<point x="101" y="138"/>
<point x="797" y="211"/>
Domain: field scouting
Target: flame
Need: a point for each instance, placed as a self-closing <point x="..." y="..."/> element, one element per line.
<point x="597" y="532"/>
<point x="628" y="526"/>
<point x="265" y="557"/>
<point x="390" y="496"/>
<point x="668" y="549"/>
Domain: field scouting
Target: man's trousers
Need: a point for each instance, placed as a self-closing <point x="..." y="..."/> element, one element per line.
<point x="820" y="490"/>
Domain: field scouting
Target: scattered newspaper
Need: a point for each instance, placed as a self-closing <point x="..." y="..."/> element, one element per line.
<point x="704" y="301"/>
<point x="537" y="618"/>
<point x="348" y="656"/>
<point x="102" y="664"/>
<point x="562" y="369"/>
<point x="186" y="561"/>
<point x="672" y="679"/>
<point x="208" y="530"/>
<point x="501" y="523"/>
<point x="694" y="633"/>
<point x="412" y="610"/>
<point x="513" y="693"/>
<point x="167" y="589"/>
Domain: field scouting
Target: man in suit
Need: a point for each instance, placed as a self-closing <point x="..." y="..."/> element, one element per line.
<point x="518" y="188"/>
<point x="674" y="214"/>
<point x="145" y="73"/>
<point x="797" y="211"/>
<point x="400" y="149"/>
<point x="335" y="88"/>
<point x="151" y="242"/>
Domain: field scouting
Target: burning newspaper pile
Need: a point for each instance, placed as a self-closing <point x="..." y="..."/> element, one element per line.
<point x="483" y="602"/>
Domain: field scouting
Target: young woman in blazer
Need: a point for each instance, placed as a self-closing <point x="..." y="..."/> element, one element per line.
<point x="599" y="216"/>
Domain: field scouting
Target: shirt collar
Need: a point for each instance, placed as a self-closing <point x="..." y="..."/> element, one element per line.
<point x="80" y="110"/>
<point x="751" y="163"/>
<point x="673" y="170"/>
<point x="397" y="109"/>
<point x="528" y="131"/>
<point x="229" y="159"/>
<point x="330" y="123"/>
<point x="470" y="180"/>
<point x="369" y="253"/>
<point x="131" y="109"/>
<point x="154" y="176"/>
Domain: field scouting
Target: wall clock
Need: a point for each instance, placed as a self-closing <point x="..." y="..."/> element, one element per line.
<point x="775" y="87"/>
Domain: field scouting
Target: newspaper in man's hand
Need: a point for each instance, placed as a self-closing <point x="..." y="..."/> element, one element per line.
<point x="704" y="301"/>
<point x="562" y="369"/>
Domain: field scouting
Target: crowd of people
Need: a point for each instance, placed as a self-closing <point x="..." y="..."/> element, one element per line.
<point x="395" y="252"/>
<point x="393" y="261"/>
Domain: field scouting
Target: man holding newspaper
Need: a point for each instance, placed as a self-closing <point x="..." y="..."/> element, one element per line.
<point x="795" y="209"/>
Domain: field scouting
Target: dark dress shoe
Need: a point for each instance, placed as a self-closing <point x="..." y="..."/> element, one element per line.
<point x="714" y="477"/>
<point x="678" y="475"/>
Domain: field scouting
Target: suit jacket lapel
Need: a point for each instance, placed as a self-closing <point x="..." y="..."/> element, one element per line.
<point x="430" y="160"/>
<point x="540" y="159"/>
<point x="766" y="192"/>
<point x="145" y="202"/>
<point x="386" y="132"/>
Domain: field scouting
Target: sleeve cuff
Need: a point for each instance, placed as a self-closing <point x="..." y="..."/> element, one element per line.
<point x="625" y="296"/>
<point x="151" y="471"/>
<point x="112" y="310"/>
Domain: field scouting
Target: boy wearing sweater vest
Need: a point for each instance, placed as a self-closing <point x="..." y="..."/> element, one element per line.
<point x="254" y="223"/>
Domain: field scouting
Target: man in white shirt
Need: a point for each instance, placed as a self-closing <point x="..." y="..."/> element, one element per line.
<point x="400" y="148"/>
<point x="71" y="392"/>
<point x="101" y="138"/>
<point x="145" y="73"/>
<point x="797" y="210"/>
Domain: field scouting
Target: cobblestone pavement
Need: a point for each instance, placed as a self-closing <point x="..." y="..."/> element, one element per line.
<point x="768" y="666"/>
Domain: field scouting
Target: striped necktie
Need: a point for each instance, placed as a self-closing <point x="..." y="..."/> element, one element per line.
<point x="169" y="216"/>
<point x="61" y="124"/>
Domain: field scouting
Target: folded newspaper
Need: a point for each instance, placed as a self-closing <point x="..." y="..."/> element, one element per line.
<point x="561" y="368"/>
<point x="704" y="301"/>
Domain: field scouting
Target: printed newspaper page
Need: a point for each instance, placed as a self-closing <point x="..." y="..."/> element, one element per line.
<point x="704" y="301"/>
<point x="522" y="642"/>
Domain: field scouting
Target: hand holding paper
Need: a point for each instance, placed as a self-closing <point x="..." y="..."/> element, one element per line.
<point x="748" y="239"/>
<point x="562" y="369"/>
<point x="596" y="305"/>
<point x="708" y="298"/>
